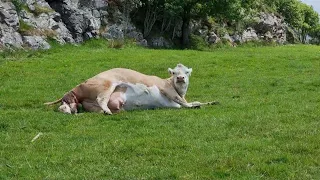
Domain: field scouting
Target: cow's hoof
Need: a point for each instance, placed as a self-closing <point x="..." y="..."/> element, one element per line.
<point x="215" y="103"/>
<point x="107" y="112"/>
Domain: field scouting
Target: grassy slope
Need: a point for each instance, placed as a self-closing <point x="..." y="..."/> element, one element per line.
<point x="267" y="125"/>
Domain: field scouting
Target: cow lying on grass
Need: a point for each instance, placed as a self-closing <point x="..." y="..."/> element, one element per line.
<point x="124" y="89"/>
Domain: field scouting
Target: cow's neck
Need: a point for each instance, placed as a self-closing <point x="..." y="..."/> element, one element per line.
<point x="181" y="88"/>
<point x="77" y="94"/>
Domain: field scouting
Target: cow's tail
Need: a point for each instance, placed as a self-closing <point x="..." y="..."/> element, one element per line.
<point x="53" y="102"/>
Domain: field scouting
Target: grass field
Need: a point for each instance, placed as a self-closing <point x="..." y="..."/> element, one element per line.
<point x="267" y="125"/>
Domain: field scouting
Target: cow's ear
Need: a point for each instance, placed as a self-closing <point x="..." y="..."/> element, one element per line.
<point x="190" y="71"/>
<point x="170" y="71"/>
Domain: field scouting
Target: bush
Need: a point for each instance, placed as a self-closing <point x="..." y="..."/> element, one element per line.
<point x="251" y="44"/>
<point x="116" y="43"/>
<point x="24" y="28"/>
<point x="18" y="4"/>
<point x="221" y="44"/>
<point x="39" y="10"/>
<point x="95" y="43"/>
<point x="198" y="43"/>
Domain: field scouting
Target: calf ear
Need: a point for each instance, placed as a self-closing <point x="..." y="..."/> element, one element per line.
<point x="170" y="71"/>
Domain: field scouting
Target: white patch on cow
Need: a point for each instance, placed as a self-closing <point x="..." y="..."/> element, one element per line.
<point x="139" y="96"/>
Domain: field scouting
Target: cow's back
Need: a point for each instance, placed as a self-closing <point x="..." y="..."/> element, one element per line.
<point x="127" y="75"/>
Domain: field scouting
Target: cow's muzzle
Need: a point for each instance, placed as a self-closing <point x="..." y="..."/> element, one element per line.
<point x="181" y="79"/>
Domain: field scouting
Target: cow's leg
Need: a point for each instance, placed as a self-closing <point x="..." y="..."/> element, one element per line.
<point x="116" y="102"/>
<point x="198" y="104"/>
<point x="104" y="97"/>
<point x="174" y="96"/>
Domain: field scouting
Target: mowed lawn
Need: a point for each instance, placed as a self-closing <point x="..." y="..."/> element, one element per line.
<point x="267" y="125"/>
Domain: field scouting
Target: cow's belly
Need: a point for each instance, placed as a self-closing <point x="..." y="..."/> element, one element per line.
<point x="115" y="103"/>
<point x="142" y="97"/>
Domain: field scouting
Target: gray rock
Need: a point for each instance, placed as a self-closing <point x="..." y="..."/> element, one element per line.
<point x="33" y="4"/>
<point x="114" y="32"/>
<point x="48" y="22"/>
<point x="212" y="38"/>
<point x="237" y="39"/>
<point x="9" y="24"/>
<point x="292" y="35"/>
<point x="249" y="35"/>
<point x="160" y="42"/>
<point x="8" y="15"/>
<point x="267" y="22"/>
<point x="268" y="36"/>
<point x="271" y="27"/>
<point x="120" y="31"/>
<point x="36" y="42"/>
<point x="79" y="18"/>
<point x="9" y="37"/>
<point x="100" y="4"/>
<point x="227" y="38"/>
<point x="96" y="13"/>
<point x="138" y="36"/>
<point x="143" y="43"/>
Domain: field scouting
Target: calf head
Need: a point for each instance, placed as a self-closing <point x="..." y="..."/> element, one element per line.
<point x="180" y="75"/>
<point x="69" y="103"/>
<point x="65" y="108"/>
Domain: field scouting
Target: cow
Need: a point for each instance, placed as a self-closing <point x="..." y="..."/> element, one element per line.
<point x="125" y="89"/>
<point x="129" y="96"/>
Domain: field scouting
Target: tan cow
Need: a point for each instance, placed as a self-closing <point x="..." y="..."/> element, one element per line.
<point x="124" y="89"/>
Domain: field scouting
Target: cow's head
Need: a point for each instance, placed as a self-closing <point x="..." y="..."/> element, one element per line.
<point x="69" y="103"/>
<point x="68" y="108"/>
<point x="180" y="74"/>
<point x="65" y="108"/>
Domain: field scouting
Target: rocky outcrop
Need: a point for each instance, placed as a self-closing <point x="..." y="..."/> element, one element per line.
<point x="45" y="22"/>
<point x="249" y="35"/>
<point x="82" y="18"/>
<point x="271" y="27"/>
<point x="31" y="27"/>
<point x="267" y="27"/>
<point x="66" y="21"/>
<point x="212" y="38"/>
<point x="36" y="42"/>
<point x="9" y="24"/>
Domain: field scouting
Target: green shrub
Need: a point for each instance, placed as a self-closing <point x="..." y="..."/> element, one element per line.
<point x="198" y="43"/>
<point x="39" y="10"/>
<point x="221" y="44"/>
<point x="117" y="43"/>
<point x="18" y="4"/>
<point x="24" y="28"/>
<point x="28" y="30"/>
<point x="95" y="43"/>
<point x="251" y="44"/>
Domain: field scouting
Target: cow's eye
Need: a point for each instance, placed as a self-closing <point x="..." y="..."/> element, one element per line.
<point x="173" y="73"/>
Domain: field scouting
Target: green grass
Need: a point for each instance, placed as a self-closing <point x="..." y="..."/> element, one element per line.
<point x="266" y="127"/>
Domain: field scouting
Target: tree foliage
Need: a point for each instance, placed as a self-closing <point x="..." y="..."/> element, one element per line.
<point x="165" y="14"/>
